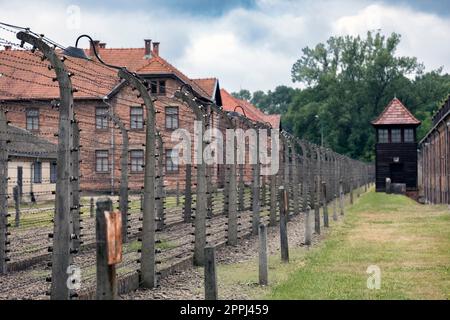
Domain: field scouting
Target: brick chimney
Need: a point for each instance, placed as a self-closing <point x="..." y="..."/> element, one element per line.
<point x="148" y="48"/>
<point x="156" y="48"/>
<point x="96" y="44"/>
<point x="102" y="45"/>
<point x="7" y="48"/>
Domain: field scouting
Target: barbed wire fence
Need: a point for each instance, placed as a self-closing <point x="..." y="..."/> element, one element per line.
<point x="170" y="213"/>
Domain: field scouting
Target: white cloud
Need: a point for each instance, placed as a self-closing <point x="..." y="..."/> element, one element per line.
<point x="248" y="48"/>
<point x="424" y="35"/>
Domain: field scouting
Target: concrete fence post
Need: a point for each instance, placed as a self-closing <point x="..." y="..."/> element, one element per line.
<point x="160" y="184"/>
<point x="263" y="265"/>
<point x="177" y="199"/>
<point x="3" y="192"/>
<point x="256" y="205"/>
<point x="232" y="231"/>
<point x="273" y="200"/>
<point x="317" y="206"/>
<point x="210" y="274"/>
<point x="201" y="200"/>
<point x="63" y="228"/>
<point x="241" y="188"/>
<point x="16" y="195"/>
<point x="308" y="227"/>
<point x="75" y="205"/>
<point x="148" y="259"/>
<point x="351" y="190"/>
<point x="325" y="205"/>
<point x="283" y="196"/>
<point x="106" y="274"/>
<point x="187" y="210"/>
<point x="91" y="207"/>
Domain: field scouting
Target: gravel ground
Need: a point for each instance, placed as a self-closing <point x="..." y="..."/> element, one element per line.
<point x="188" y="284"/>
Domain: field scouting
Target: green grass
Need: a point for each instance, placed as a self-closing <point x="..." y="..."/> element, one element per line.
<point x="409" y="242"/>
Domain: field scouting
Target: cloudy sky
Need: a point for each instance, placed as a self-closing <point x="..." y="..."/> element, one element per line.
<point x="248" y="44"/>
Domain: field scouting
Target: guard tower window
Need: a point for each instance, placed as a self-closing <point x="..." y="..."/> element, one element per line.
<point x="383" y="136"/>
<point x="396" y="135"/>
<point x="409" y="135"/>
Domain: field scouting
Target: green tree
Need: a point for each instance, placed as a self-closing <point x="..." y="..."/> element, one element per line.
<point x="349" y="80"/>
<point x="243" y="94"/>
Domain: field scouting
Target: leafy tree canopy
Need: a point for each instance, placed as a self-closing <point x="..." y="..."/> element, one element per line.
<point x="347" y="82"/>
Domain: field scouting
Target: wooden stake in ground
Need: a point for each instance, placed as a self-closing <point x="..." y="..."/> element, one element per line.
<point x="308" y="231"/>
<point x="283" y="224"/>
<point x="106" y="274"/>
<point x="263" y="266"/>
<point x="210" y="274"/>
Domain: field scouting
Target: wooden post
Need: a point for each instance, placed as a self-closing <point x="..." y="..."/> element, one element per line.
<point x="16" y="195"/>
<point x="148" y="259"/>
<point x="263" y="265"/>
<point x="308" y="230"/>
<point x="210" y="274"/>
<point x="283" y="224"/>
<point x="325" y="205"/>
<point x="106" y="274"/>
<point x="187" y="211"/>
<point x="61" y="257"/>
<point x="341" y="197"/>
<point x="91" y="207"/>
<point x="3" y="192"/>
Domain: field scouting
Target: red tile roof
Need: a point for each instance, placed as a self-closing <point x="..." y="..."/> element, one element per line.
<point x="24" y="76"/>
<point x="231" y="104"/>
<point x="395" y="113"/>
<point x="135" y="60"/>
<point x="208" y="85"/>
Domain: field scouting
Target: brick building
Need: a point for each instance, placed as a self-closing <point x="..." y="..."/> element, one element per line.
<point x="27" y="90"/>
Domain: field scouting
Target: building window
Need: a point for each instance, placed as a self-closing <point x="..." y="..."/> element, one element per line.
<point x="171" y="117"/>
<point x="162" y="87"/>
<point x="396" y="135"/>
<point x="136" y="118"/>
<point x="383" y="136"/>
<point x="101" y="161"/>
<point x="137" y="160"/>
<point x="53" y="172"/>
<point x="32" y="119"/>
<point x="409" y="135"/>
<point x="171" y="164"/>
<point x="37" y="172"/>
<point x="158" y="87"/>
<point x="154" y="87"/>
<point x="101" y="121"/>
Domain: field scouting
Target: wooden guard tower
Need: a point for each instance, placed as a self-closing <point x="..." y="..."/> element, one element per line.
<point x="396" y="146"/>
